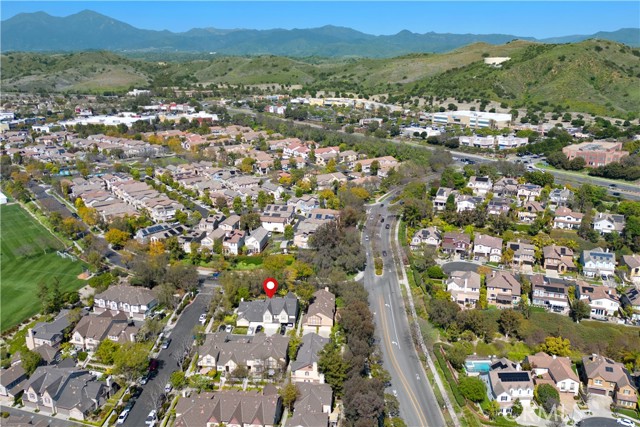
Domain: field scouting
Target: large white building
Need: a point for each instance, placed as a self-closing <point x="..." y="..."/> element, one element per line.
<point x="474" y="119"/>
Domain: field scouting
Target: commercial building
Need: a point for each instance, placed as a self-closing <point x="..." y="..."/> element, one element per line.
<point x="596" y="153"/>
<point x="473" y="119"/>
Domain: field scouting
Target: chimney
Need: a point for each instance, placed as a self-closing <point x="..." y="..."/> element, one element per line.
<point x="554" y="357"/>
<point x="326" y="288"/>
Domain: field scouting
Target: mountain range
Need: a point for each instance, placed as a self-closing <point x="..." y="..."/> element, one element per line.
<point x="88" y="30"/>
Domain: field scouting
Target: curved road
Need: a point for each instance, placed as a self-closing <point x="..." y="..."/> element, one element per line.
<point x="418" y="405"/>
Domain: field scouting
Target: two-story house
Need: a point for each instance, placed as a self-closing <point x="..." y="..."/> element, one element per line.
<point x="456" y="243"/>
<point x="555" y="369"/>
<point x="429" y="236"/>
<point x="631" y="299"/>
<point x="506" y="383"/>
<point x="558" y="258"/>
<point x="320" y="315"/>
<point x="48" y="333"/>
<point x="524" y="254"/>
<point x="465" y="202"/>
<point x="560" y="197"/>
<point x="606" y="223"/>
<point x="480" y="185"/>
<point x="233" y="242"/>
<point x="498" y="206"/>
<point x="528" y="192"/>
<point x="464" y="287"/>
<point x="269" y="313"/>
<point x="603" y="300"/>
<point x="136" y="302"/>
<point x="550" y="293"/>
<point x="632" y="262"/>
<point x="503" y="289"/>
<point x="598" y="262"/>
<point x="487" y="248"/>
<point x="313" y="406"/>
<point x="440" y="200"/>
<point x="277" y="217"/>
<point x="305" y="368"/>
<point x="564" y="218"/>
<point x="12" y="380"/>
<point x="257" y="241"/>
<point x="92" y="329"/>
<point x="605" y="377"/>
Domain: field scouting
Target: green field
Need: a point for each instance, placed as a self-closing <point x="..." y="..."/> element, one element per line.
<point x="28" y="257"/>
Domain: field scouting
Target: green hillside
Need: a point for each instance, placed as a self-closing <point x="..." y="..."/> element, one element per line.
<point x="594" y="76"/>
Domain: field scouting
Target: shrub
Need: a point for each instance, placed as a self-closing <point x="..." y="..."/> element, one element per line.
<point x="547" y="396"/>
<point x="473" y="389"/>
<point x="82" y="356"/>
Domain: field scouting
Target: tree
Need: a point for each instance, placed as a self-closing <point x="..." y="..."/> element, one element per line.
<point x="178" y="379"/>
<point x="442" y="312"/>
<point x="130" y="361"/>
<point x="117" y="238"/>
<point x="237" y="205"/>
<point x="509" y="321"/>
<point x="288" y="232"/>
<point x="250" y="221"/>
<point x="289" y="393"/>
<point x="547" y="396"/>
<point x="106" y="351"/>
<point x="182" y="276"/>
<point x="493" y="409"/>
<point x="473" y="389"/>
<point x="374" y="167"/>
<point x="580" y="310"/>
<point x="516" y="408"/>
<point x="556" y="346"/>
<point x="333" y="366"/>
<point x="30" y="361"/>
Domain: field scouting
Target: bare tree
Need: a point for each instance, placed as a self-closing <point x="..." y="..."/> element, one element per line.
<point x="182" y="352"/>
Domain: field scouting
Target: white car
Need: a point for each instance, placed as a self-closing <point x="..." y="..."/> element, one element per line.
<point x="168" y="388"/>
<point x="228" y="329"/>
<point x="203" y="318"/>
<point x="123" y="416"/>
<point x="151" y="418"/>
<point x="625" y="422"/>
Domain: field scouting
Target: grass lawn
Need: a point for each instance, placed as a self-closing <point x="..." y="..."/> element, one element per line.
<point x="28" y="257"/>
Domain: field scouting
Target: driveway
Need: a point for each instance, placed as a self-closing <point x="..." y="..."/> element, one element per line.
<point x="182" y="337"/>
<point x="600" y="406"/>
<point x="21" y="417"/>
<point x="460" y="266"/>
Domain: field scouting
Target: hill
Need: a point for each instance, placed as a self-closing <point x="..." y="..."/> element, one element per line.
<point x="598" y="77"/>
<point x="89" y="30"/>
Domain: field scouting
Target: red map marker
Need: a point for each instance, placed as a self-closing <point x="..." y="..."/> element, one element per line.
<point x="270" y="286"/>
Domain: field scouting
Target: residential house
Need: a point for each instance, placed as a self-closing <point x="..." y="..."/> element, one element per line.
<point x="528" y="192"/>
<point x="565" y="218"/>
<point x="558" y="258"/>
<point x="136" y="302"/>
<point x="158" y="232"/>
<point x="323" y="214"/>
<point x="320" y="315"/>
<point x="313" y="406"/>
<point x="503" y="289"/>
<point x="550" y="293"/>
<point x="262" y="355"/>
<point x="230" y="224"/>
<point x="468" y="203"/>
<point x="211" y="222"/>
<point x="498" y="206"/>
<point x="304" y="230"/>
<point x="327" y="180"/>
<point x="269" y="313"/>
<point x="632" y="262"/>
<point x="524" y="254"/>
<point x="192" y="239"/>
<point x="12" y="380"/>
<point x="480" y="185"/>
<point x="507" y="382"/>
<point x="631" y="298"/>
<point x="454" y="242"/>
<point x="605" y="377"/>
<point x="429" y="237"/>
<point x="275" y="190"/>
<point x="560" y="197"/>
<point x="305" y="368"/>
<point x="48" y="333"/>
<point x="277" y="217"/>
<point x="506" y="187"/>
<point x="464" y="287"/>
<point x="606" y="223"/>
<point x="598" y="262"/>
<point x="92" y="329"/>
<point x="257" y="241"/>
<point x="440" y="200"/>
<point x="554" y="369"/>
<point x="305" y="203"/>
<point x="603" y="300"/>
<point x="231" y="408"/>
<point x="66" y="391"/>
<point x="233" y="242"/>
<point x="530" y="212"/>
<point x="487" y="248"/>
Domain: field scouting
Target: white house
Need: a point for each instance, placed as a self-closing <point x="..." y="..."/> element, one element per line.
<point x="305" y="368"/>
<point x="598" y="262"/>
<point x="480" y="185"/>
<point x="135" y="301"/>
<point x="277" y="217"/>
<point x="487" y="247"/>
<point x="605" y="223"/>
<point x="506" y="383"/>
<point x="603" y="300"/>
<point x="565" y="218"/>
<point x="429" y="236"/>
<point x="257" y="241"/>
<point x="557" y="369"/>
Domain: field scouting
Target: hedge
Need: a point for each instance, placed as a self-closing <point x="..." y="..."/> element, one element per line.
<point x="449" y="377"/>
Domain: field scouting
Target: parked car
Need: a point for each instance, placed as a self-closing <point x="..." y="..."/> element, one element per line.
<point x="151" y="418"/>
<point x="203" y="318"/>
<point x="153" y="365"/>
<point x="384" y="253"/>
<point x="144" y="379"/>
<point x="625" y="422"/>
<point x="166" y="343"/>
<point x="228" y="329"/>
<point x="167" y="388"/>
<point x="123" y="416"/>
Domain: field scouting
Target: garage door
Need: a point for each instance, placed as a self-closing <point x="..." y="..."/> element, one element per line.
<point x="598" y="391"/>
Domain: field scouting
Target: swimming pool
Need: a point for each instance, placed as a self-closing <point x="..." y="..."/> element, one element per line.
<point x="477" y="366"/>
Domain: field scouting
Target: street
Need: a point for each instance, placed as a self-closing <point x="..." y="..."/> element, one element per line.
<point x="182" y="336"/>
<point x="418" y="405"/>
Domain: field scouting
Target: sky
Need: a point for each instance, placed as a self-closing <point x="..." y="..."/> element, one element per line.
<point x="522" y="18"/>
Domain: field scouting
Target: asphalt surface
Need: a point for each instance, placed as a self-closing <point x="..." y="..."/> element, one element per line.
<point x="182" y="333"/>
<point x="598" y="422"/>
<point x="418" y="405"/>
<point x="27" y="418"/>
<point x="459" y="266"/>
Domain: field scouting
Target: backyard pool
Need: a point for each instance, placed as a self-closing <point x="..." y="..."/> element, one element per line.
<point x="479" y="366"/>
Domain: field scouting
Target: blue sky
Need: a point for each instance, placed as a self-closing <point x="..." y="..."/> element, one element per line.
<point x="536" y="19"/>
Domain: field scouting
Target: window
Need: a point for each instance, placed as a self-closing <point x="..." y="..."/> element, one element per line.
<point x="626" y="391"/>
<point x="32" y="397"/>
<point x="597" y="382"/>
<point x="504" y="398"/>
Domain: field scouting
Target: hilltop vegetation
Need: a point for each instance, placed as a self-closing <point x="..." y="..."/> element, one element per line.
<point x="598" y="77"/>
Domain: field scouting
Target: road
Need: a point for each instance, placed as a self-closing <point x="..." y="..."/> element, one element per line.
<point x="418" y="405"/>
<point x="598" y="422"/>
<point x="181" y="336"/>
<point x="22" y="417"/>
